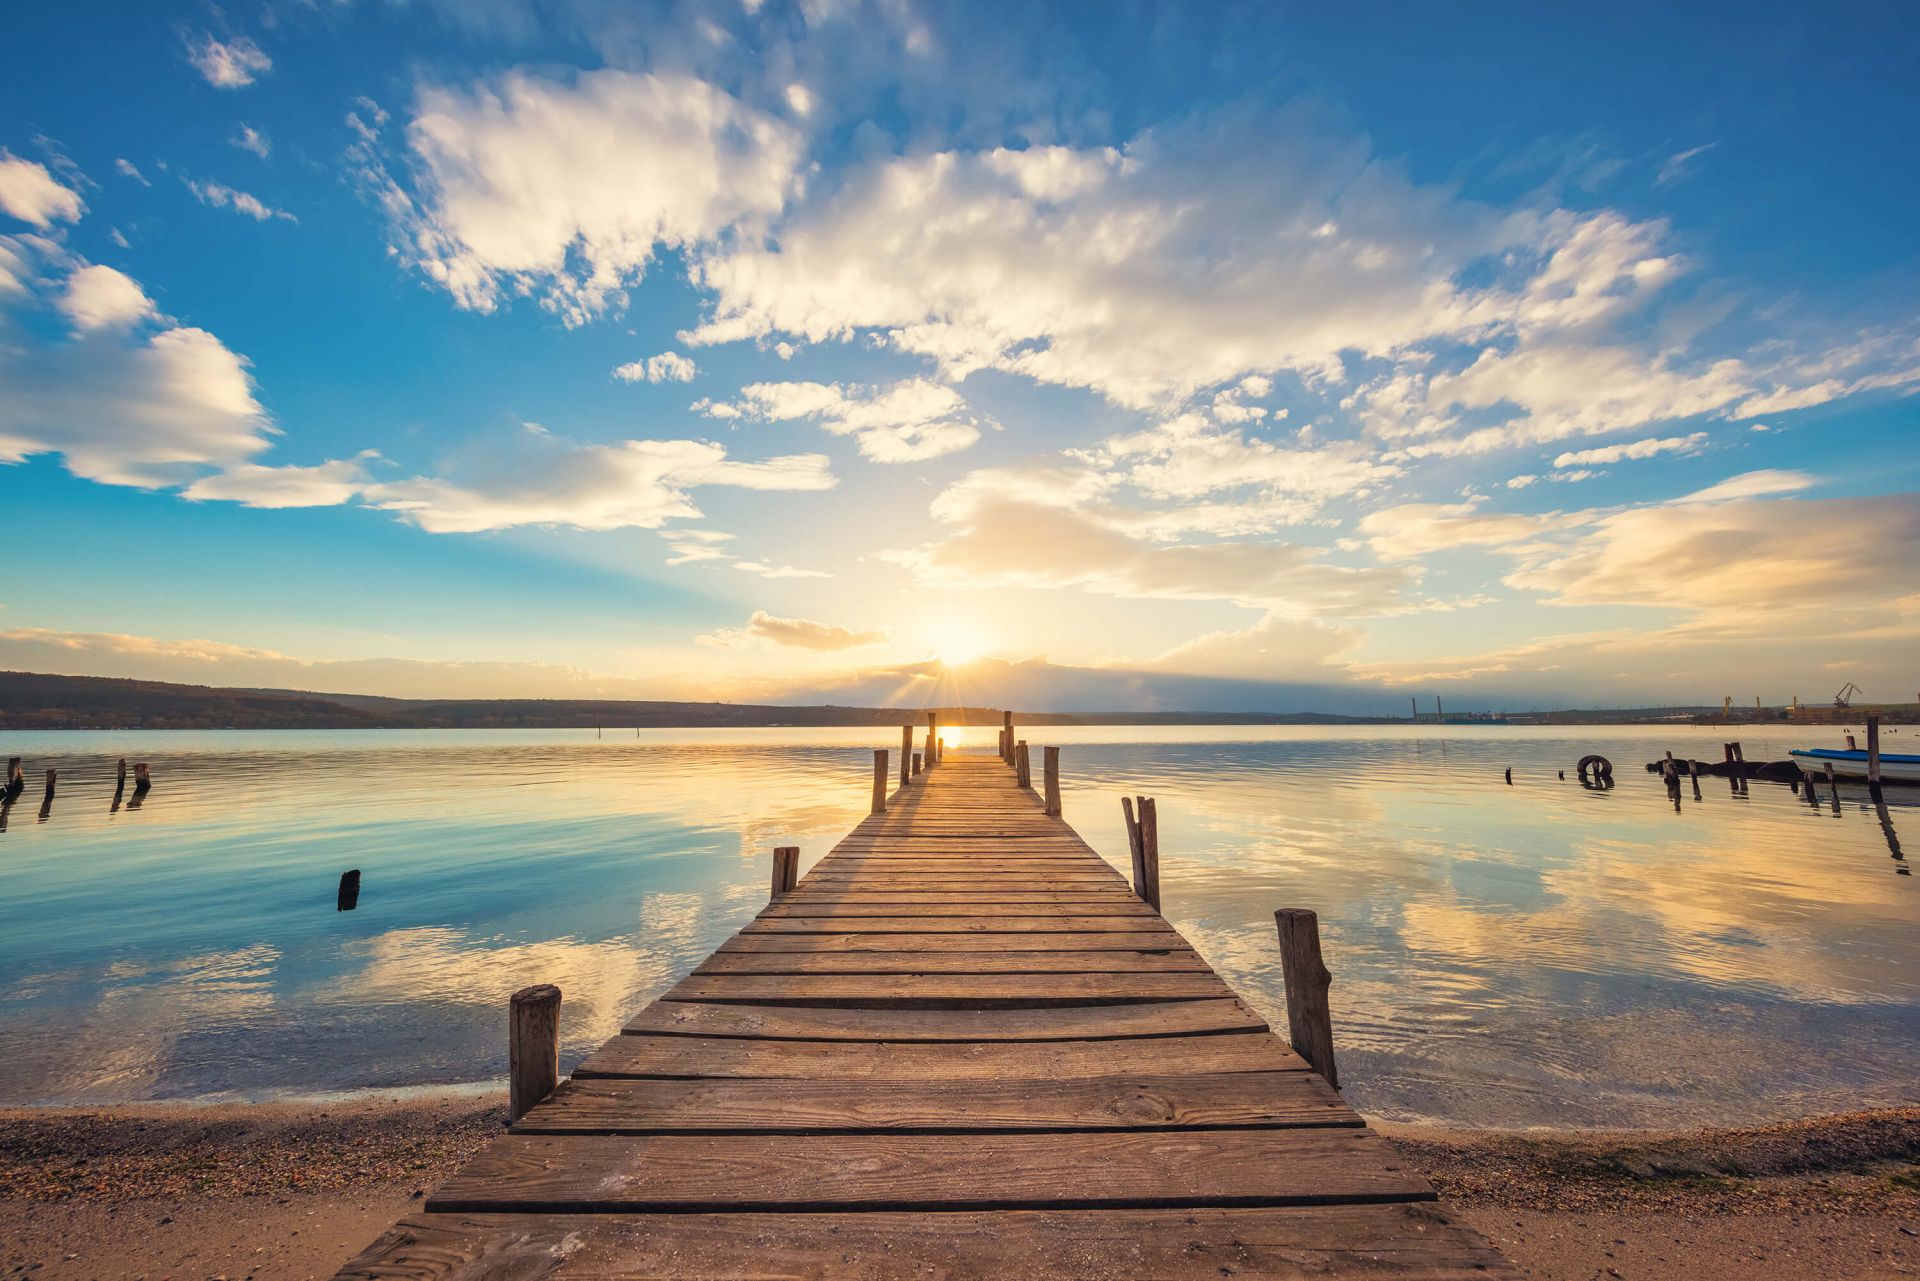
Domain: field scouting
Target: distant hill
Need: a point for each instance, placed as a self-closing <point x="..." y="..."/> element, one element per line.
<point x="30" y="700"/>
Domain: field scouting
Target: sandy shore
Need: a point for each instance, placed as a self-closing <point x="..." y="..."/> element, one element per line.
<point x="272" y="1191"/>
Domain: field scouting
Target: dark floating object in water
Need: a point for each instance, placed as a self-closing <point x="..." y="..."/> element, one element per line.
<point x="349" y="891"/>
<point x="1509" y="778"/>
<point x="1599" y="767"/>
<point x="46" y="802"/>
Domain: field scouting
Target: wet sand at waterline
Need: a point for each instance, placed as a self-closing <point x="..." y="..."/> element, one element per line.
<point x="272" y="1191"/>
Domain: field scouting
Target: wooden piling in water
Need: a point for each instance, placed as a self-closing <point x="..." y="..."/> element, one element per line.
<point x="1022" y="768"/>
<point x="533" y="1047"/>
<point x="879" y="780"/>
<point x="347" y="897"/>
<point x="1006" y="737"/>
<point x="1873" y="758"/>
<point x="142" y="780"/>
<point x="906" y="755"/>
<point x="1309" y="1020"/>
<point x="786" y="870"/>
<point x="1050" y="773"/>
<point x="1833" y="787"/>
<point x="1143" y="833"/>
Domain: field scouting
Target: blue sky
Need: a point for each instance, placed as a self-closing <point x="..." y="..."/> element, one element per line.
<point x="1228" y="356"/>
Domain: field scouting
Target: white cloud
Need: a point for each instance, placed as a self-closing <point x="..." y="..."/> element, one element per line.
<point x="1679" y="165"/>
<point x="147" y="412"/>
<point x="633" y="484"/>
<point x="1753" y="484"/>
<point x="1652" y="447"/>
<point x="566" y="189"/>
<point x="224" y="197"/>
<point x="1189" y="259"/>
<point x="794" y="633"/>
<point x="903" y="422"/>
<point x="31" y="194"/>
<point x="251" y="139"/>
<point x="327" y="484"/>
<point x="1025" y="537"/>
<point x="668" y="366"/>
<point x="692" y="545"/>
<point x="99" y="297"/>
<point x="1739" y="563"/>
<point x="126" y="169"/>
<point x="767" y="570"/>
<point x="231" y="64"/>
<point x="1418" y="529"/>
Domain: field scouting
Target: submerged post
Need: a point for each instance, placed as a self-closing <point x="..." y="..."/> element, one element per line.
<point x="786" y="870"/>
<point x="533" y="1047"/>
<point x="1050" y="772"/>
<point x="906" y="755"/>
<point x="879" y="780"/>
<point x="1309" y="1021"/>
<point x="1022" y="767"/>
<point x="1873" y="759"/>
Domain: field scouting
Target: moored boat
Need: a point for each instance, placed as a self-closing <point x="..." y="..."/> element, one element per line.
<point x="1894" y="766"/>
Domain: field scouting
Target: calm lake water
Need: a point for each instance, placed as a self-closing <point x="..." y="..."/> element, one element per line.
<point x="1534" y="955"/>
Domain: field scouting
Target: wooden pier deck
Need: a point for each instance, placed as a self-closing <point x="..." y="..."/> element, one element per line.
<point x="961" y="1047"/>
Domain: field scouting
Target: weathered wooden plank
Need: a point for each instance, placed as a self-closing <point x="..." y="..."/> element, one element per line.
<point x="1072" y="1023"/>
<point x="1141" y="940"/>
<point x="994" y="962"/>
<point x="1118" y="1102"/>
<point x="702" y="1057"/>
<point x="854" y="894"/>
<point x="820" y="908"/>
<point x="1060" y="924"/>
<point x="1135" y="1169"/>
<point x="937" y="991"/>
<point x="1406" y="1242"/>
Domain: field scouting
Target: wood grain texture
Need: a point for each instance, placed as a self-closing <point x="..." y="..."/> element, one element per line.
<point x="1113" y="961"/>
<point x="695" y="1057"/>
<point x="1405" y="1242"/>
<point x="1070" y="1023"/>
<point x="937" y="991"/>
<point x="1116" y="1102"/>
<point x="585" y="1174"/>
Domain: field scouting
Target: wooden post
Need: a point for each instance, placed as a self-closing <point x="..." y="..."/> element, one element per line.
<point x="16" y="781"/>
<point x="1133" y="844"/>
<point x="1050" y="771"/>
<point x="879" y="780"/>
<point x="1833" y="787"/>
<point x="906" y="755"/>
<point x="348" y="896"/>
<point x="119" y="786"/>
<point x="933" y="741"/>
<point x="142" y="781"/>
<point x="1873" y="760"/>
<point x="916" y="764"/>
<point x="1147" y="883"/>
<point x="1022" y="770"/>
<point x="786" y="869"/>
<point x="48" y="798"/>
<point x="1309" y="1021"/>
<point x="1693" y="774"/>
<point x="1006" y="737"/>
<point x="533" y="1047"/>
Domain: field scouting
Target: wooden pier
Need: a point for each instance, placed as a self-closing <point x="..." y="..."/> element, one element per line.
<point x="960" y="1047"/>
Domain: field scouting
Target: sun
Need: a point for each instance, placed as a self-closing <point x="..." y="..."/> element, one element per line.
<point x="958" y="641"/>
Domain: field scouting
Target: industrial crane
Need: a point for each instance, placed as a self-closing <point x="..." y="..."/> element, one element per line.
<point x="1848" y="692"/>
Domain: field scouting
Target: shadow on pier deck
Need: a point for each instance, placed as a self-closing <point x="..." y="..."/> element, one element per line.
<point x="961" y="1047"/>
